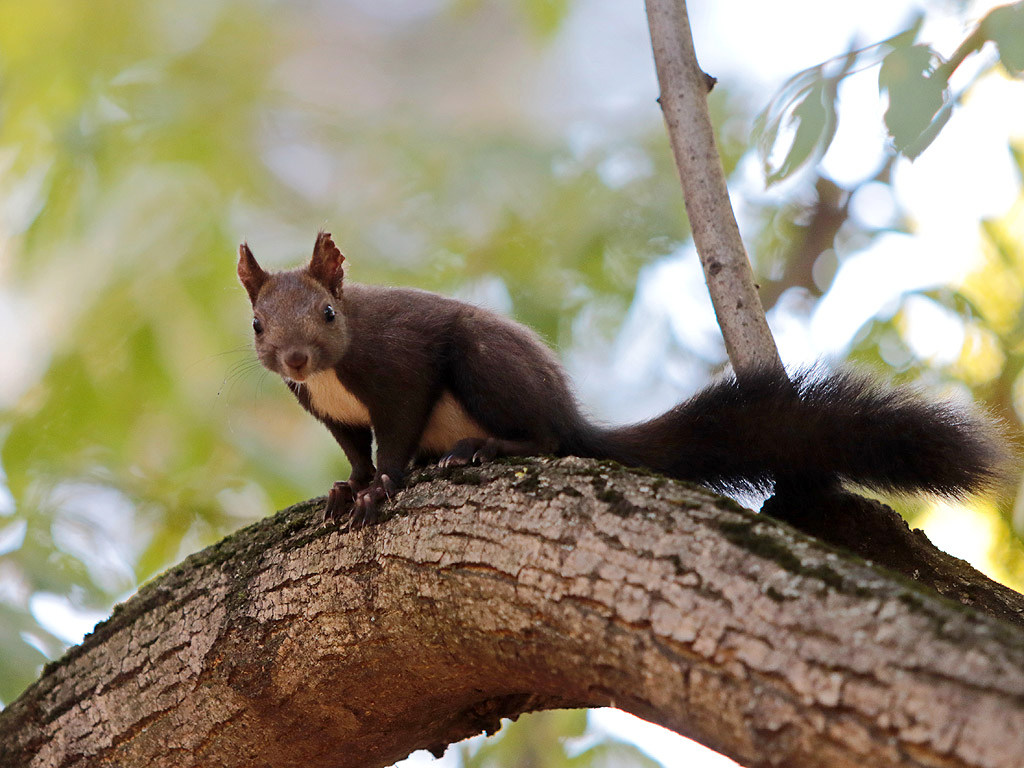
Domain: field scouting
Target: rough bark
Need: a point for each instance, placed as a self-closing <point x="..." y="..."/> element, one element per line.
<point x="877" y="533"/>
<point x="716" y="235"/>
<point x="495" y="591"/>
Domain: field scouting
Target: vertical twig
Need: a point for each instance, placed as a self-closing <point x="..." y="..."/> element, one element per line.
<point x="727" y="271"/>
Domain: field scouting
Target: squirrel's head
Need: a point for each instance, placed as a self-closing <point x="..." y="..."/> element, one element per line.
<point x="298" y="323"/>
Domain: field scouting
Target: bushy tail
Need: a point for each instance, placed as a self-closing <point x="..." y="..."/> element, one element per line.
<point x="820" y="425"/>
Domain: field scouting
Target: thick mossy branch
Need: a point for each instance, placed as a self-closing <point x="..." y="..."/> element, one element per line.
<point x="513" y="587"/>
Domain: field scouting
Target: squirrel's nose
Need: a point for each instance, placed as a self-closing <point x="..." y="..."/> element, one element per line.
<point x="296" y="360"/>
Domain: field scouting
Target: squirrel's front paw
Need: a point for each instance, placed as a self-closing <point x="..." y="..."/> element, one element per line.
<point x="340" y="500"/>
<point x="368" y="502"/>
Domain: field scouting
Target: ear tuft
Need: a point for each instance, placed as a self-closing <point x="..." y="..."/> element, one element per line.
<point x="250" y="273"/>
<point x="325" y="266"/>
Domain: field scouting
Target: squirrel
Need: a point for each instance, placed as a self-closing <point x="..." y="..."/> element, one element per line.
<point x="434" y="378"/>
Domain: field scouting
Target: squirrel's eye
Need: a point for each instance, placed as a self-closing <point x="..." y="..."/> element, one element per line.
<point x="257" y="325"/>
<point x="329" y="313"/>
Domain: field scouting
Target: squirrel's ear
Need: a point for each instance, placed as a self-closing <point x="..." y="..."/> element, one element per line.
<point x="250" y="273"/>
<point x="325" y="266"/>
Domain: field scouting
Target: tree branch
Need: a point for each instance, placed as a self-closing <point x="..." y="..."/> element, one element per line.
<point x="508" y="588"/>
<point x="727" y="271"/>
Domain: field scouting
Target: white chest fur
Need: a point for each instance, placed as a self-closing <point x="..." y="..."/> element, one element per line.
<point x="329" y="398"/>
<point x="448" y="422"/>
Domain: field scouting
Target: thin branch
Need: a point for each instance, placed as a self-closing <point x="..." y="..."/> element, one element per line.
<point x="971" y="44"/>
<point x="727" y="271"/>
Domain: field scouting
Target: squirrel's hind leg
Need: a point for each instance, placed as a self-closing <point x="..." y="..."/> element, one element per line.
<point x="479" y="450"/>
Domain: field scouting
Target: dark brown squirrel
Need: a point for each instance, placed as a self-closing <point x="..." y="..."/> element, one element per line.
<point x="435" y="378"/>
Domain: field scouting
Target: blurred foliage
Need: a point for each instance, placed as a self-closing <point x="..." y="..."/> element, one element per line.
<point x="552" y="739"/>
<point x="139" y="142"/>
<point x="799" y="122"/>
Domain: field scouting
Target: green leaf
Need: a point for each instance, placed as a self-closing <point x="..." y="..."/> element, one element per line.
<point x="813" y="117"/>
<point x="930" y="133"/>
<point x="822" y="79"/>
<point x="917" y="96"/>
<point x="1005" y="27"/>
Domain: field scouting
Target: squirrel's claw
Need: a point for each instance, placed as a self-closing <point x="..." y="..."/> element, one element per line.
<point x="470" y="450"/>
<point x="367" y="503"/>
<point x="340" y="500"/>
<point x="466" y="451"/>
